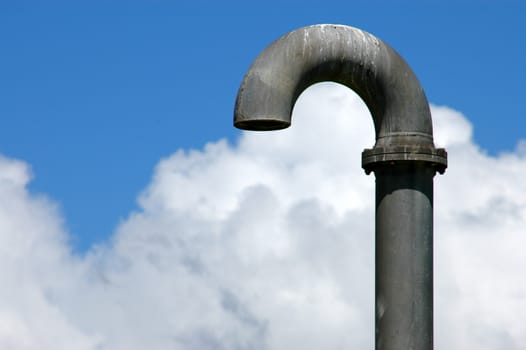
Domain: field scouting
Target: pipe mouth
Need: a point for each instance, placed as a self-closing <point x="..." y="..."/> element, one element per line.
<point x="265" y="124"/>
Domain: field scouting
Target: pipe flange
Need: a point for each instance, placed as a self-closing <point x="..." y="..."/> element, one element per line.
<point x="381" y="157"/>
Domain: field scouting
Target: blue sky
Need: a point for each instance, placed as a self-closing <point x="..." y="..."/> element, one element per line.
<point x="93" y="94"/>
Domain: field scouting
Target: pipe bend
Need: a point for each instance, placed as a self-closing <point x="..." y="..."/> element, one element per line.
<point x="341" y="54"/>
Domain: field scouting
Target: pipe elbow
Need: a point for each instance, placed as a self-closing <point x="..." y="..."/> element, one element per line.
<point x="344" y="55"/>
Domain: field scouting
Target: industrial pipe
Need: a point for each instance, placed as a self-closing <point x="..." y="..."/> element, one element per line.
<point x="404" y="158"/>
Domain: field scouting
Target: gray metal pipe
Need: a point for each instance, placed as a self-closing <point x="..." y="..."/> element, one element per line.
<point x="404" y="158"/>
<point x="404" y="258"/>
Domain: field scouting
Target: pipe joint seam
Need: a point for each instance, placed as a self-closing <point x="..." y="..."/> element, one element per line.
<point x="382" y="157"/>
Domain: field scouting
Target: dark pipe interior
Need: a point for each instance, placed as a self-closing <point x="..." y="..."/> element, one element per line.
<point x="263" y="124"/>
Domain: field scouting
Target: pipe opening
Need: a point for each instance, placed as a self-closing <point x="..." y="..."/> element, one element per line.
<point x="261" y="124"/>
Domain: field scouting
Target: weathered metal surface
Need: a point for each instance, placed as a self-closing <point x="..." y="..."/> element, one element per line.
<point x="404" y="258"/>
<point x="404" y="158"/>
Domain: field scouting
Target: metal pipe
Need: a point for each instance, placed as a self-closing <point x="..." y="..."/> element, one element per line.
<point x="404" y="158"/>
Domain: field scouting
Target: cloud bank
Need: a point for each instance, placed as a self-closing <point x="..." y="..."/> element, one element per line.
<point x="266" y="244"/>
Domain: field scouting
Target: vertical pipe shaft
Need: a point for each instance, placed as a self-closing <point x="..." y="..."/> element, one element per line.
<point x="404" y="257"/>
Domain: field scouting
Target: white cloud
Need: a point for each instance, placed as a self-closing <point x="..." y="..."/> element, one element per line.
<point x="266" y="244"/>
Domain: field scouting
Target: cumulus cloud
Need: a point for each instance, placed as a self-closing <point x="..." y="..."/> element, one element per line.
<point x="266" y="244"/>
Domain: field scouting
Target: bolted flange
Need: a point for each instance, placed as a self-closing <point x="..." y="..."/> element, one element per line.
<point x="382" y="157"/>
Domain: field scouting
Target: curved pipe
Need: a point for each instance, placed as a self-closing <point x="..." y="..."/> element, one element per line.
<point x="404" y="158"/>
<point x="345" y="55"/>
